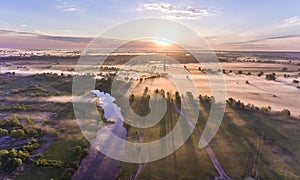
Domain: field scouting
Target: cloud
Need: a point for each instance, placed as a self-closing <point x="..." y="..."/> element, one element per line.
<point x="67" y="7"/>
<point x="171" y="11"/>
<point x="17" y="39"/>
<point x="46" y="37"/>
<point x="24" y="25"/>
<point x="71" y="9"/>
<point x="292" y="21"/>
<point x="264" y="39"/>
<point x="139" y="9"/>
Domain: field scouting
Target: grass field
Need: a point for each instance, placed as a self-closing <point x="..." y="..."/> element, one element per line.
<point x="248" y="143"/>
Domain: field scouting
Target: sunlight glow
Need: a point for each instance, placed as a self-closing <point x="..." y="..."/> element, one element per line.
<point x="162" y="43"/>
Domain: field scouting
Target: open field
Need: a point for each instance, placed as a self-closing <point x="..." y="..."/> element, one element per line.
<point x="251" y="142"/>
<point x="278" y="94"/>
<point x="35" y="101"/>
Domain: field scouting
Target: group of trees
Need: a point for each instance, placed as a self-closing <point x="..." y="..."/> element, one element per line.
<point x="238" y="104"/>
<point x="206" y="99"/>
<point x="12" y="127"/>
<point x="10" y="160"/>
<point x="14" y="107"/>
<point x="49" y="163"/>
<point x="31" y="145"/>
<point x="51" y="76"/>
<point x="34" y="91"/>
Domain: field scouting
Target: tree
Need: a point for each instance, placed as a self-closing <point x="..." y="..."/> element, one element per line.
<point x="19" y="133"/>
<point x="23" y="154"/>
<point x="286" y="112"/>
<point x="13" y="153"/>
<point x="131" y="98"/>
<point x="31" y="132"/>
<point x="146" y="90"/>
<point x="15" y="120"/>
<point x="271" y="76"/>
<point x="240" y="72"/>
<point x="3" y="132"/>
<point x="28" y="120"/>
<point x="18" y="162"/>
<point x="260" y="73"/>
<point x="177" y="99"/>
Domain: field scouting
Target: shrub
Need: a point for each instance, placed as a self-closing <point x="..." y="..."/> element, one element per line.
<point x="3" y="132"/>
<point x="260" y="73"/>
<point x="240" y="72"/>
<point x="295" y="81"/>
<point x="18" y="162"/>
<point x="286" y="112"/>
<point x="19" y="133"/>
<point x="265" y="109"/>
<point x="31" y="146"/>
<point x="31" y="132"/>
<point x="271" y="76"/>
<point x="28" y="120"/>
<point x="49" y="163"/>
<point x="15" y="120"/>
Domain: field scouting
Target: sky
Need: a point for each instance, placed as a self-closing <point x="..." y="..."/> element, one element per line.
<point x="224" y="24"/>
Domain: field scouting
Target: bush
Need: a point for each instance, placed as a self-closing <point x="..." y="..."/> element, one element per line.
<point x="3" y="132"/>
<point x="31" y="145"/>
<point x="18" y="162"/>
<point x="15" y="120"/>
<point x="10" y="160"/>
<point x="49" y="163"/>
<point x="28" y="120"/>
<point x="31" y="132"/>
<point x="265" y="109"/>
<point x="286" y="112"/>
<point x="260" y="73"/>
<point x="19" y="133"/>
<point x="271" y="76"/>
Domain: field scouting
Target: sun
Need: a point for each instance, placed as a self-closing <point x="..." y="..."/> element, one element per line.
<point x="162" y="43"/>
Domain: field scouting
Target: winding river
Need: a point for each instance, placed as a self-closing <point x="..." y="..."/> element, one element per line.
<point x="97" y="165"/>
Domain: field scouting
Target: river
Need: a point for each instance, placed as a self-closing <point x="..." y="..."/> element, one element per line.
<point x="97" y="165"/>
